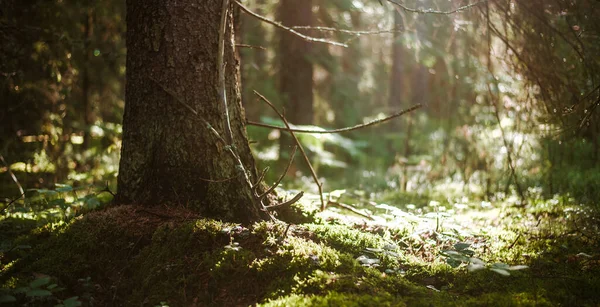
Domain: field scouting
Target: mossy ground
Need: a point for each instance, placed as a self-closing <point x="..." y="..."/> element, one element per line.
<point x="138" y="256"/>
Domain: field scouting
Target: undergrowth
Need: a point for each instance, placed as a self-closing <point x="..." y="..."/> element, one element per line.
<point x="441" y="253"/>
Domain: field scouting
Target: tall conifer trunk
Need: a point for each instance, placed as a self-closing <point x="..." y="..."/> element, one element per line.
<point x="169" y="156"/>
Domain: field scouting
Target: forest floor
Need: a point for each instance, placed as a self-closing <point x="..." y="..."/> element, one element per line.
<point x="394" y="251"/>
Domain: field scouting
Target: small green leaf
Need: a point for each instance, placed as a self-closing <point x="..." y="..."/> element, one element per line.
<point x="61" y="203"/>
<point x="72" y="302"/>
<point x="453" y="262"/>
<point x="52" y="286"/>
<point x="501" y="271"/>
<point x="500" y="265"/>
<point x="45" y="191"/>
<point x="38" y="293"/>
<point x="39" y="282"/>
<point x="472" y="267"/>
<point x="518" y="267"/>
<point x="63" y="188"/>
<point x="460" y="246"/>
<point x="450" y="253"/>
<point x="477" y="261"/>
<point x="467" y="252"/>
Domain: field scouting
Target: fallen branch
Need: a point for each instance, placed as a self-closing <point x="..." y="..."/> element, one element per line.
<point x="341" y="130"/>
<point x="290" y="30"/>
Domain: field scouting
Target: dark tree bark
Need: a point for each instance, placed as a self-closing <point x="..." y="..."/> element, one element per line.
<point x="169" y="156"/>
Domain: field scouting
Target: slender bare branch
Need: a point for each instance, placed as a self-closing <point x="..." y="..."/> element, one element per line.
<point x="431" y="11"/>
<point x="221" y="70"/>
<point x="340" y="130"/>
<point x="261" y="177"/>
<point x="279" y="25"/>
<point x="348" y="207"/>
<point x="329" y="29"/>
<point x="14" y="178"/>
<point x="250" y="46"/>
<point x="289" y="202"/>
<point x="287" y="168"/>
<point x="312" y="170"/>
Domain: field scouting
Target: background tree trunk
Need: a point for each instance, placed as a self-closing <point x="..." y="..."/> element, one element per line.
<point x="396" y="98"/>
<point x="168" y="155"/>
<point x="296" y="70"/>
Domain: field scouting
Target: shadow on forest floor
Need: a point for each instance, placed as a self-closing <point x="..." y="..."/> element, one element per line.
<point x="355" y="253"/>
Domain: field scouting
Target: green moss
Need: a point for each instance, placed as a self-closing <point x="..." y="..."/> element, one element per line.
<point x="82" y="248"/>
<point x="345" y="238"/>
<point x="335" y="299"/>
<point x="136" y="258"/>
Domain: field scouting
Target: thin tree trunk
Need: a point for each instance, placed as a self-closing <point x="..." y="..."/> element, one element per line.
<point x="169" y="156"/>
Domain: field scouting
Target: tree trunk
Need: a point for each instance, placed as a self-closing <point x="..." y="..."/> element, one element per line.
<point x="169" y="156"/>
<point x="397" y="79"/>
<point x="296" y="69"/>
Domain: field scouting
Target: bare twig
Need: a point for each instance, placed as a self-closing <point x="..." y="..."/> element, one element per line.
<point x="107" y="190"/>
<point x="12" y="201"/>
<point x="250" y="46"/>
<point x="221" y="70"/>
<point x="356" y="127"/>
<point x="348" y="207"/>
<point x="514" y="242"/>
<point x="312" y="170"/>
<point x="494" y="102"/>
<point x="279" y="25"/>
<point x="289" y="202"/>
<point x="217" y="180"/>
<point x="431" y="11"/>
<point x="329" y="29"/>
<point x="14" y="178"/>
<point x="287" y="168"/>
<point x="261" y="176"/>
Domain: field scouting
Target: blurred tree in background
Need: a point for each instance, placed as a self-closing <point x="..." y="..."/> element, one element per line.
<point x="62" y="66"/>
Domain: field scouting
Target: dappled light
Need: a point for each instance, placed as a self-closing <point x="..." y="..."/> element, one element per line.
<point x="300" y="153"/>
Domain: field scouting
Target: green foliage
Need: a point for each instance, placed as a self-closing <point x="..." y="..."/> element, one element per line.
<point x="56" y="205"/>
<point x="39" y="291"/>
